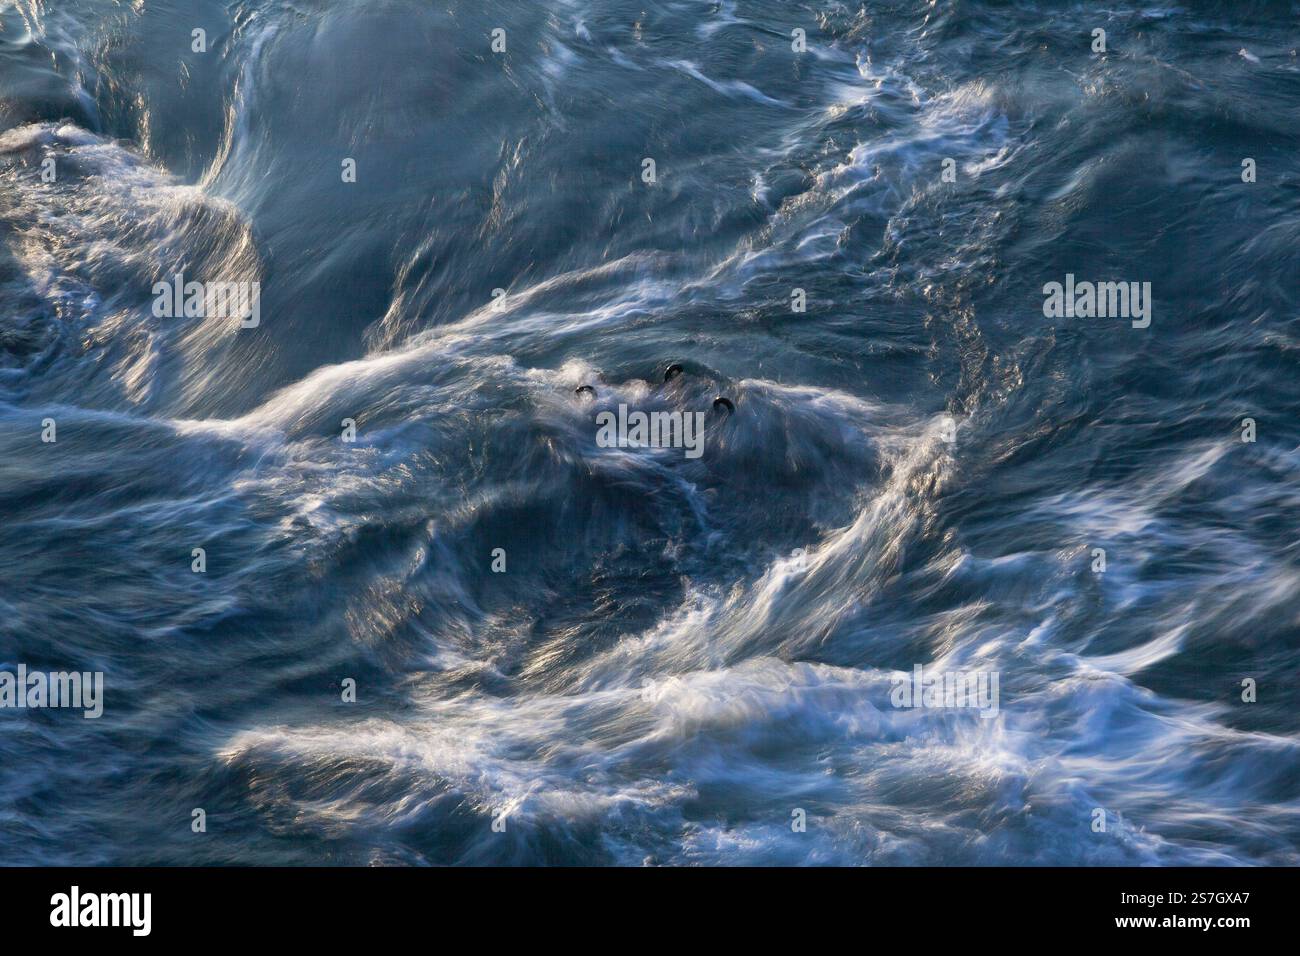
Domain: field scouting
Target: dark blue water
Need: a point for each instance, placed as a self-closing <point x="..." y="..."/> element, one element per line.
<point x="681" y="655"/>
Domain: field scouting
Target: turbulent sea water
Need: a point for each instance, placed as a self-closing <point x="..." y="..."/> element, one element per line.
<point x="681" y="653"/>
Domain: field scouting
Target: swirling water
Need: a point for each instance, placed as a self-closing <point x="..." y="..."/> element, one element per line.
<point x="681" y="653"/>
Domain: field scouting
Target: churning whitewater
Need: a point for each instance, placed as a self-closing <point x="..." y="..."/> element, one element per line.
<point x="650" y="433"/>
